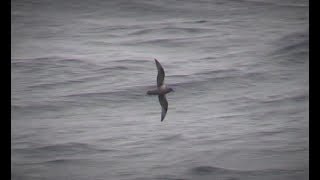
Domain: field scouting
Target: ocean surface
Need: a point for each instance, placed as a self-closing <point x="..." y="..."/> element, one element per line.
<point x="81" y="69"/>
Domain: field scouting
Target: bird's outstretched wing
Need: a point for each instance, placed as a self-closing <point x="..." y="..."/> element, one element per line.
<point x="161" y="74"/>
<point x="164" y="105"/>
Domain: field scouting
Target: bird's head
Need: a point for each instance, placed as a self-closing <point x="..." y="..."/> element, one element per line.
<point x="170" y="89"/>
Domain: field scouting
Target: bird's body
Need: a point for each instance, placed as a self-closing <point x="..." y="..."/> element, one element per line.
<point x="161" y="90"/>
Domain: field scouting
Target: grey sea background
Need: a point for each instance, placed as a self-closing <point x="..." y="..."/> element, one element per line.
<point x="81" y="69"/>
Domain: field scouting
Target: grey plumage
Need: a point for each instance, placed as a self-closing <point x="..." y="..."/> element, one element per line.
<point x="161" y="90"/>
<point x="161" y="74"/>
<point x="164" y="105"/>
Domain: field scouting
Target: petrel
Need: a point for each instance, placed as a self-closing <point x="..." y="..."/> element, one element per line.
<point x="161" y="90"/>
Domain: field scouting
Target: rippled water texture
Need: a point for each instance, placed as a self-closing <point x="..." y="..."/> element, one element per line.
<point x="81" y="70"/>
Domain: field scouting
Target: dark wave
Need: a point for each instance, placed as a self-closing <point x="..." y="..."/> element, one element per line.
<point x="56" y="161"/>
<point x="140" y="6"/>
<point x="37" y="108"/>
<point x="63" y="83"/>
<point x="49" y="61"/>
<point x="208" y="169"/>
<point x="62" y="149"/>
<point x="292" y="98"/>
<point x="295" y="49"/>
<point x="162" y="177"/>
<point x="172" y="138"/>
<point x="211" y="172"/>
<point x="297" y="4"/>
<point x="171" y="30"/>
<point x="168" y="42"/>
<point x="131" y="61"/>
<point x="73" y="148"/>
<point x="292" y="48"/>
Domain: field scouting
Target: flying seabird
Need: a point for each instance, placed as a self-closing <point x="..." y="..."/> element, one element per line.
<point x="161" y="90"/>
